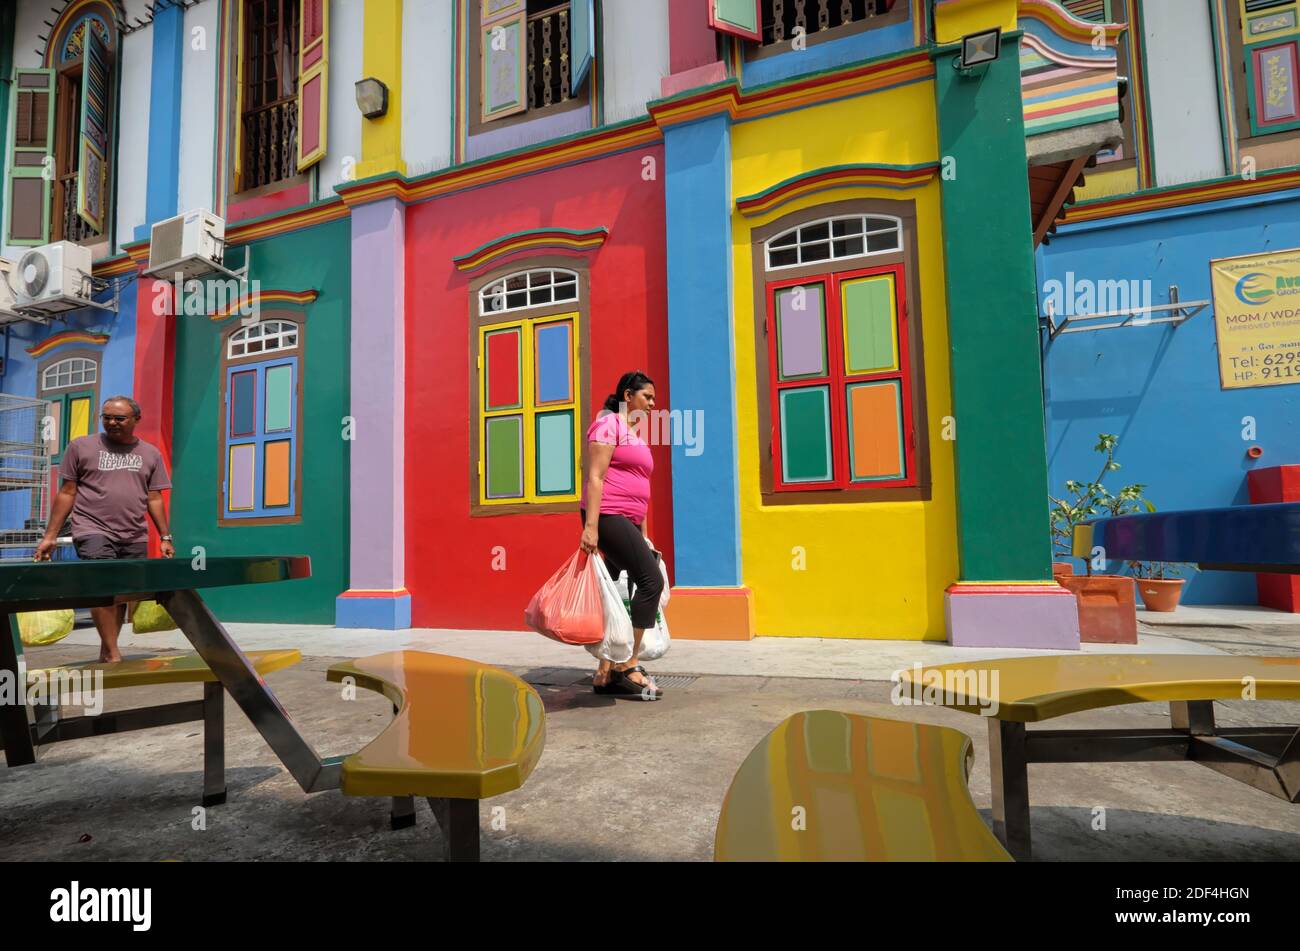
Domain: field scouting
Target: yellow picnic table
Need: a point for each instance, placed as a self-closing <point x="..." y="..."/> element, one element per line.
<point x="1013" y="692"/>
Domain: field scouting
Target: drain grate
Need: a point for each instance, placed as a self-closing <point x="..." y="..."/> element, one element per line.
<point x="672" y="681"/>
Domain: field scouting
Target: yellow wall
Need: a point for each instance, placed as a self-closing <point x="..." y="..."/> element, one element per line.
<point x="1107" y="183"/>
<point x="874" y="569"/>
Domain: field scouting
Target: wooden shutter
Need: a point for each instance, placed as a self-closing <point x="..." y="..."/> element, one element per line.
<point x="582" y="41"/>
<point x="92" y="171"/>
<point x="504" y="57"/>
<point x="1094" y="11"/>
<point x="743" y="18"/>
<point x="31" y="153"/>
<point x="237" y="185"/>
<point x="313" y="81"/>
<point x="493" y="10"/>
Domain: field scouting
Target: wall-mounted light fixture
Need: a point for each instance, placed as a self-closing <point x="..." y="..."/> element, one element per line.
<point x="372" y="98"/>
<point x="978" y="50"/>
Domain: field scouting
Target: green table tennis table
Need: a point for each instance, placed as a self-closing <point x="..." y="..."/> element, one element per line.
<point x="173" y="582"/>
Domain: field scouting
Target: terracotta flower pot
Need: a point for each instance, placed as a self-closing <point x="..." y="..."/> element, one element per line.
<point x="1060" y="568"/>
<point x="1158" y="594"/>
<point x="1107" y="607"/>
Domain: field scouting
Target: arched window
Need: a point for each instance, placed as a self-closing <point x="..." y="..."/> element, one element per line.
<point x="63" y="122"/>
<point x="69" y="384"/>
<point x="834" y="239"/>
<point x="74" y="371"/>
<point x="527" y="395"/>
<point x="260" y="442"/>
<point x="841" y="384"/>
<point x="265" y="336"/>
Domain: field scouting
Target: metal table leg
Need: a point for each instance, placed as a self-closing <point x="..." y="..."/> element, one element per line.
<point x="214" y="745"/>
<point x="1010" y="777"/>
<point x="458" y="819"/>
<point x="247" y="689"/>
<point x="14" y="730"/>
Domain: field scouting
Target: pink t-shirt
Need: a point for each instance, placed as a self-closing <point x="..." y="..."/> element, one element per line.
<point x="627" y="480"/>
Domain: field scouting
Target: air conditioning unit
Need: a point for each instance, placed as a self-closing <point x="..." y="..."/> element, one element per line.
<point x="7" y="313"/>
<point x="52" y="279"/>
<point x="188" y="245"/>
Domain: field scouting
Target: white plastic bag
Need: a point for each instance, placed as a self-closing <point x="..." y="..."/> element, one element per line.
<point x="655" y="641"/>
<point x="617" y="643"/>
<point x="663" y="598"/>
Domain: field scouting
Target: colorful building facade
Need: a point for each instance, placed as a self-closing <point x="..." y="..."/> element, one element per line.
<point x="811" y="224"/>
<point x="1208" y="171"/>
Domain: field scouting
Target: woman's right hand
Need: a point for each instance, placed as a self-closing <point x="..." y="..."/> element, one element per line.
<point x="589" y="539"/>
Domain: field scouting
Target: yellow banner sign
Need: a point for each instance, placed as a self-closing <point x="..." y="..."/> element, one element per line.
<point x="1257" y="318"/>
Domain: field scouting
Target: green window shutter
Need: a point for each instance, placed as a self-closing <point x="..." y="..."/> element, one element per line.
<point x="92" y="173"/>
<point x="582" y="41"/>
<point x="504" y="58"/>
<point x="743" y="18"/>
<point x="31" y="152"/>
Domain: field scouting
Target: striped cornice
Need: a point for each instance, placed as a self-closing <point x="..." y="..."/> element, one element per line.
<point x="296" y="219"/>
<point x="727" y="98"/>
<point x="67" y="337"/>
<point x="114" y="266"/>
<point x="1180" y="195"/>
<point x="1062" y="23"/>
<point x="584" y="146"/>
<point x="263" y="298"/>
<point x="836" y="176"/>
<point x="540" y="239"/>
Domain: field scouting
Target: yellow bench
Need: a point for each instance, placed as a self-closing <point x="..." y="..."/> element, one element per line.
<point x="829" y="786"/>
<point x="56" y="682"/>
<point x="1015" y="691"/>
<point x="461" y="732"/>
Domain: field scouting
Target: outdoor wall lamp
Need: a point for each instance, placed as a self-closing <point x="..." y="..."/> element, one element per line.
<point x="978" y="50"/>
<point x="372" y="98"/>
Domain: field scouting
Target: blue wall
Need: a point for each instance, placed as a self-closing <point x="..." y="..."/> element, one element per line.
<point x="829" y="55"/>
<point x="1157" y="387"/>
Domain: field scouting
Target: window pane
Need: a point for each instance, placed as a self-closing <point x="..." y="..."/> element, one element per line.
<point x="519" y="299"/>
<point x="870" y="325"/>
<point x="275" y="473"/>
<point x="805" y="435"/>
<point x="816" y="252"/>
<point x="554" y="356"/>
<point x="505" y="457"/>
<point x="503" y="369"/>
<point x="539" y="295"/>
<point x="279" y="399"/>
<point x="783" y="258"/>
<point x="875" y="431"/>
<point x="882" y="242"/>
<point x="801" y="331"/>
<point x="517" y="283"/>
<point x="846" y="226"/>
<point x="240" y="477"/>
<point x="555" y="453"/>
<point x="243" y="403"/>
<point x="255" y="346"/>
<point x="817" y="232"/>
<point x="566" y="291"/>
<point x="788" y="240"/>
<point x="78" y="418"/>
<point x="848" y="248"/>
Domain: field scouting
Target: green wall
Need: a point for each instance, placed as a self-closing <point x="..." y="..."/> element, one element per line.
<point x="997" y="390"/>
<point x="318" y="259"/>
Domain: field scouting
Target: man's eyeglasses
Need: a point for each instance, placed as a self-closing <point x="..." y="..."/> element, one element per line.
<point x="115" y="419"/>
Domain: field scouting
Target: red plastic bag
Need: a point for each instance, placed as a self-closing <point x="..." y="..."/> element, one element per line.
<point x="568" y="608"/>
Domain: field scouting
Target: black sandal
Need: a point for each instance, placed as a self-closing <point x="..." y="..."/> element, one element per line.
<point x="629" y="687"/>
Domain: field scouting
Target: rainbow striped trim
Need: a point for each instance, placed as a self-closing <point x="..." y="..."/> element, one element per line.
<point x="1180" y="195"/>
<point x="742" y="105"/>
<point x="836" y="176"/>
<point x="67" y="337"/>
<point x="114" y="266"/>
<point x="541" y="239"/>
<point x="300" y="298"/>
<point x="1062" y="23"/>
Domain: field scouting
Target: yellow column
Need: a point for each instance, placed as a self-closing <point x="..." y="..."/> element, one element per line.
<point x="954" y="19"/>
<point x="381" y="139"/>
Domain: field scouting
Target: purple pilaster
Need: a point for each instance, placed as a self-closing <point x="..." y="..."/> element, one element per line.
<point x="1036" y="616"/>
<point x="377" y="597"/>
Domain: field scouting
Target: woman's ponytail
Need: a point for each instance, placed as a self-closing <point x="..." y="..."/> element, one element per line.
<point x="636" y="381"/>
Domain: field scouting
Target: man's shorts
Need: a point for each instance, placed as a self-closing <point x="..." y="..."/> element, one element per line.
<point x="100" y="548"/>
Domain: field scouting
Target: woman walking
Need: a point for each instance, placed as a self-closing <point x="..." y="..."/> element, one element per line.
<point x="615" y="497"/>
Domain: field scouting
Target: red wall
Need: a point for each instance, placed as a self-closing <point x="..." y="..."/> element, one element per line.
<point x="449" y="554"/>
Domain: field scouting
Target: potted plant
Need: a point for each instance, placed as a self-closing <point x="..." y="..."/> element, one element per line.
<point x="1158" y="583"/>
<point x="1107" y="606"/>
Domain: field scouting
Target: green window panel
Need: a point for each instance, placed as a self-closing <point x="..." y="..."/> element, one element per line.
<point x="806" y="435"/>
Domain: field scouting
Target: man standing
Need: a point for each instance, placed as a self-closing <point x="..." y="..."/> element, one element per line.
<point x="110" y="479"/>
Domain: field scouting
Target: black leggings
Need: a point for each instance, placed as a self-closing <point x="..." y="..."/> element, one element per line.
<point x="624" y="549"/>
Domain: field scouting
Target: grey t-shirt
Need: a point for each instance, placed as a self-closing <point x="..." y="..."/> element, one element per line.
<point x="113" y="486"/>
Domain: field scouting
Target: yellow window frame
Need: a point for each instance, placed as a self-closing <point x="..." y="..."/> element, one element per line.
<point x="528" y="408"/>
